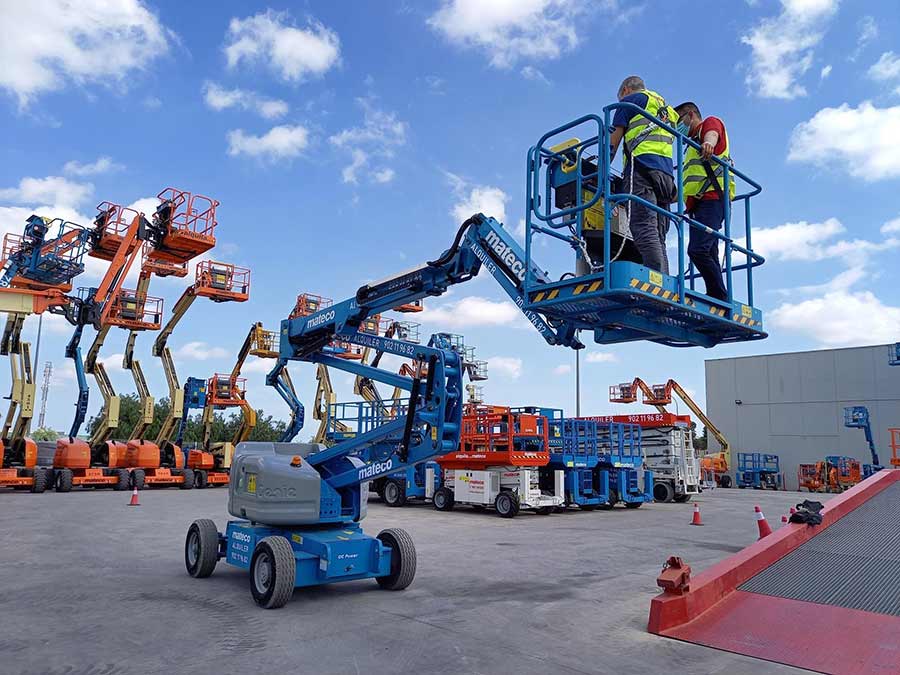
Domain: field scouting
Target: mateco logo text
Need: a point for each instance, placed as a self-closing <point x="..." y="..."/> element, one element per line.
<point x="505" y="254"/>
<point x="375" y="469"/>
<point x="319" y="320"/>
<point x="240" y="536"/>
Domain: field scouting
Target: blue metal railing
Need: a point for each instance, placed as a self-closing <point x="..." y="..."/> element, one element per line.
<point x="359" y="417"/>
<point x="757" y="461"/>
<point x="549" y="221"/>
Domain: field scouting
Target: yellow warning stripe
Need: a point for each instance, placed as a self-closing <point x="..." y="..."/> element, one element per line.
<point x="538" y="296"/>
<point x="645" y="286"/>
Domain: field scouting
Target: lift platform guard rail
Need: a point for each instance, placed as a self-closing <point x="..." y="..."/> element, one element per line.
<point x="315" y="537"/>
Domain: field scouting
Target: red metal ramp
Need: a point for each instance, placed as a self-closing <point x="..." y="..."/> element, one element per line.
<point x="825" y="598"/>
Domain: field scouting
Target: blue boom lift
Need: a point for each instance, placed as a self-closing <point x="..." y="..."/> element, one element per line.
<point x="298" y="506"/>
<point x="857" y="417"/>
<point x="894" y="356"/>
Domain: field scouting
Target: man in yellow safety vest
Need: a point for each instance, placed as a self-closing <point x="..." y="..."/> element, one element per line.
<point x="704" y="192"/>
<point x="648" y="169"/>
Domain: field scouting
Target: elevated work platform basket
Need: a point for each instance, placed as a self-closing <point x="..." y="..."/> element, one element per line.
<point x="49" y="255"/>
<point x="222" y="282"/>
<point x="308" y="303"/>
<point x="111" y="226"/>
<point x="575" y="196"/>
<point x="186" y="225"/>
<point x="224" y="391"/>
<point x="264" y="343"/>
<point x="135" y="311"/>
<point x="161" y="268"/>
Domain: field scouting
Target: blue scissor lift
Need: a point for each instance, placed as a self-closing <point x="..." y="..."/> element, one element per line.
<point x="575" y="450"/>
<point x="622" y="456"/>
<point x="894" y="356"/>
<point x="759" y="471"/>
<point x="570" y="196"/>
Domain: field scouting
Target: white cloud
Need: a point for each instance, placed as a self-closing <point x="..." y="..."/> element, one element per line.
<point x="294" y="54"/>
<point x="219" y="98"/>
<point x="49" y="190"/>
<point x="257" y="365"/>
<point x="379" y="135"/>
<point x="281" y="142"/>
<point x="152" y="102"/>
<point x="812" y="242"/>
<point x="348" y="173"/>
<point x="601" y="357"/>
<point x="891" y="226"/>
<point x="562" y="369"/>
<point x="783" y="47"/>
<point x="840" y="318"/>
<point x="385" y="175"/>
<point x="509" y="30"/>
<point x="534" y="74"/>
<point x="200" y="351"/>
<point x="112" y="363"/>
<point x="868" y="31"/>
<point x="505" y="366"/>
<point x="823" y="75"/>
<point x="470" y="311"/>
<point x="47" y="43"/>
<point x="102" y="165"/>
<point x="491" y="201"/>
<point x="860" y="140"/>
<point x="380" y="128"/>
<point x="886" y="69"/>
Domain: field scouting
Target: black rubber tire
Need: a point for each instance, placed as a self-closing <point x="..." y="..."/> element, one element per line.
<point x="188" y="483"/>
<point x="39" y="484"/>
<point x="443" y="499"/>
<point x="613" y="500"/>
<point x="64" y="480"/>
<point x="50" y="480"/>
<point x="201" y="479"/>
<point x="725" y="481"/>
<point x="506" y="504"/>
<point x="275" y="551"/>
<point x="394" y="492"/>
<point x="403" y="559"/>
<point x="633" y="505"/>
<point x="663" y="492"/>
<point x="123" y="480"/>
<point x="138" y="478"/>
<point x="203" y="538"/>
<point x="682" y="499"/>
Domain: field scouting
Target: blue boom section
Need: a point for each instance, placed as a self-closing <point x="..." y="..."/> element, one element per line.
<point x="194" y="399"/>
<point x="857" y="417"/>
<point x="73" y="351"/>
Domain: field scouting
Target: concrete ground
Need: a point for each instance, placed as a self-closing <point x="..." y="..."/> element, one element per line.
<point x="92" y="586"/>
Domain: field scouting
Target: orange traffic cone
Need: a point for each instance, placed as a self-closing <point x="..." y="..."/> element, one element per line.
<point x="134" y="498"/>
<point x="764" y="529"/>
<point x="793" y="510"/>
<point x="784" y="519"/>
<point x="696" y="519"/>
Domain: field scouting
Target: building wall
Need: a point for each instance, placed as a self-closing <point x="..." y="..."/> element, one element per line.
<point x="792" y="405"/>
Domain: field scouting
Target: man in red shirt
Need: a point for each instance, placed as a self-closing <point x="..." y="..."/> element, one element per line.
<point x="705" y="202"/>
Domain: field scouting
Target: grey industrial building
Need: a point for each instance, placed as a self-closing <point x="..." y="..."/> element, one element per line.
<point x="792" y="404"/>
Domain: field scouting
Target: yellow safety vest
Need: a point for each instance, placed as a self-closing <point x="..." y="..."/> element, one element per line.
<point x="695" y="179"/>
<point x="645" y="137"/>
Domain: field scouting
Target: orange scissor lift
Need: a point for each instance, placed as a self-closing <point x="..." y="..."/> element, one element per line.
<point x="497" y="461"/>
<point x="219" y="282"/>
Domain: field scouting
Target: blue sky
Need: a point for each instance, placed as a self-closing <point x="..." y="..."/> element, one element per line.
<point x="345" y="142"/>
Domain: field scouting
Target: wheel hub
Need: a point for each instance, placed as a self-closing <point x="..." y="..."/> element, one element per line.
<point x="194" y="549"/>
<point x="262" y="572"/>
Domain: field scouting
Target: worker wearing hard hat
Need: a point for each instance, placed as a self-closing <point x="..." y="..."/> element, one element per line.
<point x="648" y="169"/>
<point x="704" y="192"/>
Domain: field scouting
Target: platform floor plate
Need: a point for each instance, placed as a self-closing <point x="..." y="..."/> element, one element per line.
<point x="854" y="564"/>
